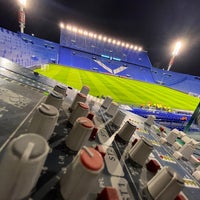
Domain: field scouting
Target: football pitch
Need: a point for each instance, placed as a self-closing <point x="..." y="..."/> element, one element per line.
<point x="122" y="90"/>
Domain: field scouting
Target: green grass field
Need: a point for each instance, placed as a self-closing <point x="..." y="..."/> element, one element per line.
<point x="122" y="90"/>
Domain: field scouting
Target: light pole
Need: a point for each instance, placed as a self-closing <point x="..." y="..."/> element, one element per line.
<point x="174" y="54"/>
<point x="21" y="15"/>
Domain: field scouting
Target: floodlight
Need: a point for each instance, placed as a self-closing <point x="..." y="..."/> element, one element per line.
<point x="176" y="48"/>
<point x="100" y="37"/>
<point x="90" y="34"/>
<point x="118" y="42"/>
<point x="139" y="48"/>
<point x="104" y="39"/>
<point x="95" y="35"/>
<point x="127" y="45"/>
<point x="174" y="54"/>
<point x="85" y="33"/>
<point x="114" y="41"/>
<point x="69" y="27"/>
<point x="22" y="2"/>
<point x="62" y="25"/>
<point x="80" y="31"/>
<point x="109" y="40"/>
<point x="74" y="29"/>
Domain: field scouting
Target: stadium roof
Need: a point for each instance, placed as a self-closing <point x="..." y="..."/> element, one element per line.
<point x="154" y="24"/>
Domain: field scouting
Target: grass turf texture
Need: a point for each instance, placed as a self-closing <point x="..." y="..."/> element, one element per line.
<point x="122" y="90"/>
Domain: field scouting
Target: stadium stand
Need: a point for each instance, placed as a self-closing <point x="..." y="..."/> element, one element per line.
<point x="182" y="82"/>
<point x="190" y="85"/>
<point x="138" y="73"/>
<point x="167" y="78"/>
<point x="93" y="46"/>
<point x="27" y="50"/>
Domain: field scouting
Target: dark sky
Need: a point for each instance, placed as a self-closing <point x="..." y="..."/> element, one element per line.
<point x="154" y="24"/>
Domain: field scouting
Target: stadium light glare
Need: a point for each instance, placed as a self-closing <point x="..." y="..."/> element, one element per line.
<point x="118" y="42"/>
<point x="127" y="45"/>
<point x="62" y="25"/>
<point x="135" y="48"/>
<point x="85" y="33"/>
<point x="177" y="48"/>
<point x="22" y="3"/>
<point x="80" y="31"/>
<point x="104" y="38"/>
<point x="175" y="52"/>
<point x="109" y="40"/>
<point x="122" y="44"/>
<point x="139" y="48"/>
<point x="131" y="47"/>
<point x="74" y="29"/>
<point x="100" y="37"/>
<point x="95" y="35"/>
<point x="69" y="27"/>
<point x="114" y="41"/>
<point x="91" y="34"/>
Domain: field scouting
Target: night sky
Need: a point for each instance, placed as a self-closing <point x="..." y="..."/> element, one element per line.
<point x="153" y="24"/>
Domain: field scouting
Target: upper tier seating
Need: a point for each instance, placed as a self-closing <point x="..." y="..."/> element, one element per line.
<point x="94" y="46"/>
<point x="27" y="50"/>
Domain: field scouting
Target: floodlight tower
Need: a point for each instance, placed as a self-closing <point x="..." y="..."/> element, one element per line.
<point x="21" y="15"/>
<point x="174" y="54"/>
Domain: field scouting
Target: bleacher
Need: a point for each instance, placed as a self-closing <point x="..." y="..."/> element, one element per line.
<point x="27" y="50"/>
<point x="90" y="45"/>
<point x="78" y="59"/>
<point x="138" y="73"/>
<point x="167" y="78"/>
<point x="98" y="63"/>
<point x="190" y="85"/>
<point x="182" y="82"/>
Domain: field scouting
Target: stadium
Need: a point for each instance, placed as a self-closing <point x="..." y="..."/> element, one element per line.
<point x="112" y="69"/>
<point x="118" y="64"/>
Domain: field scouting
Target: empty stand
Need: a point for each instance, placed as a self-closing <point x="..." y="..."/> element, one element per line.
<point x="167" y="78"/>
<point x="189" y="85"/>
<point x="27" y="50"/>
<point x="93" y="46"/>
